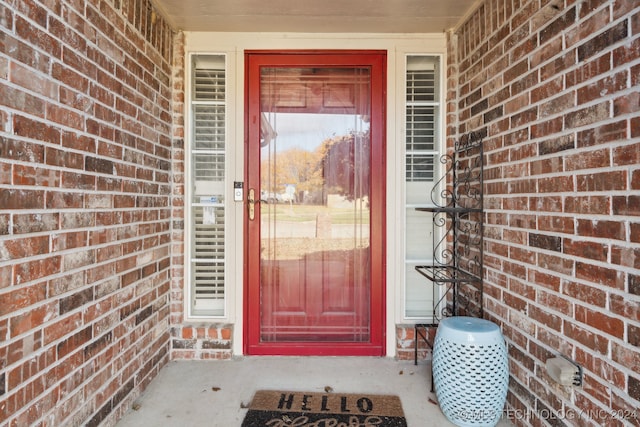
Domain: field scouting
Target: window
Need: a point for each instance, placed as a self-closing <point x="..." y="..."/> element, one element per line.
<point x="422" y="144"/>
<point x="207" y="171"/>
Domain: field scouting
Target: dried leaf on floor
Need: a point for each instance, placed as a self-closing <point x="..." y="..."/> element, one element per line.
<point x="328" y="389"/>
<point x="216" y="388"/>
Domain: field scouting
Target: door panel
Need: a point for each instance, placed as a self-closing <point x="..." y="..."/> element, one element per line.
<point x="315" y="239"/>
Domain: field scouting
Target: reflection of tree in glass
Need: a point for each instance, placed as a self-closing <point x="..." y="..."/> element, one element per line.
<point x="345" y="165"/>
<point x="339" y="166"/>
<point x="294" y="166"/>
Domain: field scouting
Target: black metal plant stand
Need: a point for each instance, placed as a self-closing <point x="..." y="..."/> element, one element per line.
<point x="456" y="270"/>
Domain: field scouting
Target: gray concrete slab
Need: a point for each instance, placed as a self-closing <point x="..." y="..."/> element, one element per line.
<point x="213" y="393"/>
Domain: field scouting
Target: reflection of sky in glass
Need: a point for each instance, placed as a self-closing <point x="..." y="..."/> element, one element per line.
<point x="308" y="130"/>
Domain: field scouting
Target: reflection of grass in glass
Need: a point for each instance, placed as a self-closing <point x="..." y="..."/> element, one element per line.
<point x="304" y="213"/>
<point x="298" y="248"/>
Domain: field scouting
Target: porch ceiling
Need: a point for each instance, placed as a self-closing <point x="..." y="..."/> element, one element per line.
<point x="311" y="16"/>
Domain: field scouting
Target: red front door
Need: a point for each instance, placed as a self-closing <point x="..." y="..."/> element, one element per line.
<point x="315" y="207"/>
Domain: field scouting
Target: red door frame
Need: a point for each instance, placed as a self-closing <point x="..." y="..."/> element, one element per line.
<point x="376" y="60"/>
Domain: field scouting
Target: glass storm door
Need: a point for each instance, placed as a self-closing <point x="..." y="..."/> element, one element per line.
<point x="315" y="203"/>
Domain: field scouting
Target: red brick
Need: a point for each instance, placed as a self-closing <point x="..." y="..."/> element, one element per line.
<point x="36" y="269"/>
<point x="22" y="298"/>
<point x="628" y="52"/>
<point x="5" y="173"/>
<point x="32" y="81"/>
<point x="635" y="127"/>
<point x="589" y="70"/>
<point x="514" y="302"/>
<point x="554" y="302"/>
<point x="71" y="240"/>
<point x="559" y="104"/>
<point x="75" y="341"/>
<point x="34" y="223"/>
<point x="544" y="241"/>
<point x="32" y="319"/>
<point x="626" y="104"/>
<point x="625" y="308"/>
<point x="21" y="101"/>
<point x="75" y="100"/>
<point x="602" y="229"/>
<point x="513" y="236"/>
<point x="546" y="204"/>
<point x="603" y="40"/>
<point x="625" y="356"/>
<point x="6" y="276"/>
<point x="548" y="90"/>
<point x="34" y="11"/>
<point x="635" y="232"/>
<point x="602" y="134"/>
<point x="37" y="130"/>
<point x="26" y="247"/>
<point x="629" y="205"/>
<point x="226" y="333"/>
<point x="628" y="154"/>
<point x="591" y="340"/>
<point x="515" y="203"/>
<point x="545" y="317"/>
<point x="600" y="275"/>
<point x="586" y="249"/>
<point x="77" y="180"/>
<point x="555" y="263"/>
<point x="542" y="129"/>
<point x="21" y="199"/>
<point x="524" y="117"/>
<point x="604" y="181"/>
<point x="546" y="280"/>
<point x="626" y="256"/>
<point x="64" y="158"/>
<point x="588" y="160"/>
<point x="102" y="272"/>
<point x="559" y="65"/>
<point x="608" y="324"/>
<point x="588" y="115"/>
<point x="64" y="200"/>
<point x="29" y="175"/>
<point x="78" y="142"/>
<point x="600" y="205"/>
<point x="558" y="224"/>
<point x="559" y="24"/>
<point x="546" y="166"/>
<point x="522" y="221"/>
<point x="62" y="327"/>
<point x="65" y="116"/>
<point x="555" y="184"/>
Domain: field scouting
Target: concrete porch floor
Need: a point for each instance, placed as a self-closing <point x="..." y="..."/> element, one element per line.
<point x="184" y="393"/>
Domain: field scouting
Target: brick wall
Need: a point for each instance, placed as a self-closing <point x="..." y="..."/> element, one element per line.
<point x="85" y="186"/>
<point x="556" y="84"/>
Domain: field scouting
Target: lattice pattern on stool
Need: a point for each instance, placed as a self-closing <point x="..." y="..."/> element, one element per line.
<point x="471" y="381"/>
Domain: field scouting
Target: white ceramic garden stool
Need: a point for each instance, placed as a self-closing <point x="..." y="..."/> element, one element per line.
<point x="470" y="371"/>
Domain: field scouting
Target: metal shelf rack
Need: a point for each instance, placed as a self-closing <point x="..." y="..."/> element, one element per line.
<point x="456" y="269"/>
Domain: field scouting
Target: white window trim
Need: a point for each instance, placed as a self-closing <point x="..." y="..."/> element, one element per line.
<point x="439" y="149"/>
<point x="229" y="215"/>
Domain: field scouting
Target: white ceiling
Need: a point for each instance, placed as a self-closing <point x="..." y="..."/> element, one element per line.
<point x="315" y="16"/>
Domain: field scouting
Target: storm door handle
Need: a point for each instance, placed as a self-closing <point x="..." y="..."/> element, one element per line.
<point x="252" y="204"/>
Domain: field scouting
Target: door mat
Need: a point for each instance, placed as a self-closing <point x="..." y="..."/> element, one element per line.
<point x="295" y="408"/>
